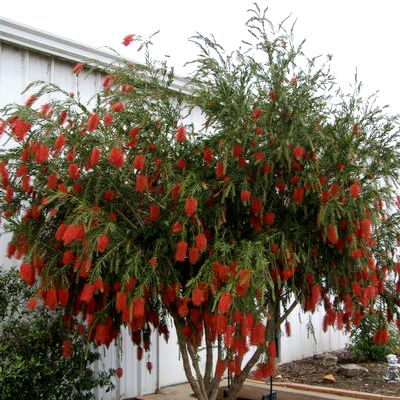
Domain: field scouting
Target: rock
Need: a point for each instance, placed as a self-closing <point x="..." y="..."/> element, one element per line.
<point x="329" y="378"/>
<point x="318" y="356"/>
<point x="350" y="370"/>
<point x="329" y="360"/>
<point x="346" y="357"/>
<point x="279" y="378"/>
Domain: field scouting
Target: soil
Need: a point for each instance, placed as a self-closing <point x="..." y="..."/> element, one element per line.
<point x="311" y="371"/>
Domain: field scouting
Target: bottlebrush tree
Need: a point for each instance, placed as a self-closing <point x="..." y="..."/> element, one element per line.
<point x="123" y="215"/>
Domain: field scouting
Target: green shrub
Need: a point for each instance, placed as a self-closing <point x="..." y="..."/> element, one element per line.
<point x="362" y="342"/>
<point x="32" y="365"/>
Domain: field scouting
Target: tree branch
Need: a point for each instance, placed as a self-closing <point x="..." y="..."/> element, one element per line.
<point x="209" y="359"/>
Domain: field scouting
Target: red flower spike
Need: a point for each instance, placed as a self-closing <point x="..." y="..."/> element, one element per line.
<point x="92" y="123"/>
<point x="73" y="171"/>
<point x="117" y="107"/>
<point x="201" y="241"/>
<point x="298" y="195"/>
<point x="31" y="304"/>
<point x="20" y="129"/>
<point x="77" y="69"/>
<point x="102" y="243"/>
<point x="181" y="250"/>
<point x="194" y="255"/>
<point x="117" y="157"/>
<point x="66" y="349"/>
<point x="355" y="190"/>
<point x="288" y="329"/>
<point x="272" y="349"/>
<point x="63" y="296"/>
<point x="108" y="119"/>
<point x="87" y="293"/>
<point x="207" y="155"/>
<point x="154" y="212"/>
<point x="257" y="113"/>
<point x="269" y="218"/>
<point x="225" y="303"/>
<point x="219" y="170"/>
<point x="68" y="257"/>
<point x="27" y="273"/>
<point x="59" y="143"/>
<point x="94" y="158"/>
<point x="138" y="162"/>
<point x="51" y="298"/>
<point x="245" y="196"/>
<point x="141" y="183"/>
<point x="190" y="206"/>
<point x="181" y="134"/>
<point x="177" y="228"/>
<point x="138" y="307"/>
<point x="198" y="297"/>
<point x="128" y="39"/>
<point x="298" y="152"/>
<point x="256" y="205"/>
<point x="332" y="234"/>
<point x="119" y="373"/>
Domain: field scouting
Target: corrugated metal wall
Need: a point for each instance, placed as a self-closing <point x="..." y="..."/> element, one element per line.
<point x="18" y="67"/>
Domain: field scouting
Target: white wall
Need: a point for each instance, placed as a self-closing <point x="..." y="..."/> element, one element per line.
<point x="302" y="343"/>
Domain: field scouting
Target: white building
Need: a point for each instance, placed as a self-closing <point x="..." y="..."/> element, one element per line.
<point x="28" y="54"/>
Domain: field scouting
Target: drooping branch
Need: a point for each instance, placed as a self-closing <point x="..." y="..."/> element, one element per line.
<point x="195" y="362"/>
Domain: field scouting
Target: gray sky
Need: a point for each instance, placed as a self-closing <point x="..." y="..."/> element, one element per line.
<point x="359" y="33"/>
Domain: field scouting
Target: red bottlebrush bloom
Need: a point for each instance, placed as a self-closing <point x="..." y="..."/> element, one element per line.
<point x="63" y="296"/>
<point x="3" y="126"/>
<point x="243" y="282"/>
<point x="181" y="134"/>
<point x="237" y="150"/>
<point x="120" y="303"/>
<point x="20" y="129"/>
<point x="30" y="100"/>
<point x="22" y="170"/>
<point x="298" y="195"/>
<point x="207" y="155"/>
<point x="116" y="157"/>
<point x="176" y="190"/>
<point x="298" y="152"/>
<point x="266" y="169"/>
<point x="181" y="250"/>
<point x="92" y="123"/>
<point x="141" y="183"/>
<point x="177" y="228"/>
<point x="259" y="155"/>
<point x="256" y="205"/>
<point x="149" y="366"/>
<point x="288" y="329"/>
<point x="245" y="196"/>
<point x="59" y="143"/>
<point x="355" y="190"/>
<point x="138" y="307"/>
<point x="119" y="373"/>
<point x="51" y="298"/>
<point x="87" y="293"/>
<point x="154" y="212"/>
<point x="128" y="39"/>
<point x="198" y="297"/>
<point x="27" y="273"/>
<point x="102" y="243"/>
<point x="42" y="154"/>
<point x="259" y="131"/>
<point x="31" y="304"/>
<point x="138" y="162"/>
<point x="224" y="303"/>
<point x="365" y="229"/>
<point x="272" y="349"/>
<point x="77" y="69"/>
<point x="183" y="309"/>
<point x="9" y="194"/>
<point x="269" y="218"/>
<point x="68" y="257"/>
<point x="201" y="241"/>
<point x="356" y="253"/>
<point x="66" y="347"/>
<point x="108" y="119"/>
<point x="181" y="164"/>
<point x="190" y="206"/>
<point x="194" y="255"/>
<point x="220" y="368"/>
<point x="281" y="186"/>
<point x="332" y="234"/>
<point x="219" y="170"/>
<point x="94" y="158"/>
<point x="108" y="195"/>
<point x="117" y="107"/>
<point x="272" y="95"/>
<point x="73" y="171"/>
<point x="257" y="113"/>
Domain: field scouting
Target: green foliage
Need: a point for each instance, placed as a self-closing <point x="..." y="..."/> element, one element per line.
<point x="362" y="342"/>
<point x="32" y="365"/>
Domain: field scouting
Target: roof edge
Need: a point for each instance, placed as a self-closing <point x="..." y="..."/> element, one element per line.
<point x="24" y="36"/>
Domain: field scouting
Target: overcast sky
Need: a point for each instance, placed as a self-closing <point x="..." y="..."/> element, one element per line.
<point x="358" y="33"/>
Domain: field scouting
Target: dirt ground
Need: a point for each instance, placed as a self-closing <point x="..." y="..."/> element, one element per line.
<point x="311" y="371"/>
